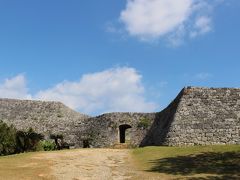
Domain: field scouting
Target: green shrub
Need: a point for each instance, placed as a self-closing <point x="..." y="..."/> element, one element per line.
<point x="13" y="141"/>
<point x="27" y="141"/>
<point x="47" y="145"/>
<point x="59" y="142"/>
<point x="144" y="123"/>
<point x="7" y="139"/>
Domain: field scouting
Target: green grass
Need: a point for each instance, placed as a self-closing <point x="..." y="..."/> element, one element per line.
<point x="197" y="162"/>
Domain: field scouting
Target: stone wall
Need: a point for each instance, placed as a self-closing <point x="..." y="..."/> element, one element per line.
<point x="159" y="130"/>
<point x="104" y="129"/>
<point x="55" y="118"/>
<point x="198" y="116"/>
<point x="44" y="117"/>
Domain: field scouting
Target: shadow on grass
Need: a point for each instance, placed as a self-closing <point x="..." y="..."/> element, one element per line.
<point x="224" y="165"/>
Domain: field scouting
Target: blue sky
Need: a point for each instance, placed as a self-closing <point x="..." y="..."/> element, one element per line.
<point x="133" y="55"/>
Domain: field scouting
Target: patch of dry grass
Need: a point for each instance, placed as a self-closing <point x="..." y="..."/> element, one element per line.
<point x="24" y="167"/>
<point x="164" y="163"/>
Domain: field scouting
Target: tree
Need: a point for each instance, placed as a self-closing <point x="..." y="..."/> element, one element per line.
<point x="13" y="141"/>
<point x="7" y="139"/>
<point x="58" y="138"/>
<point x="27" y="141"/>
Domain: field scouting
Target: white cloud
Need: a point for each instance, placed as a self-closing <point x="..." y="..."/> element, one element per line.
<point x="202" y="26"/>
<point x="111" y="28"/>
<point x="173" y="20"/>
<point x="176" y="39"/>
<point x="203" y="76"/>
<point x="117" y="89"/>
<point x="154" y="18"/>
<point x="15" y="87"/>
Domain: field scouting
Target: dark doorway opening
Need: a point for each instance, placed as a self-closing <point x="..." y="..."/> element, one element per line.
<point x="86" y="144"/>
<point x="122" y="132"/>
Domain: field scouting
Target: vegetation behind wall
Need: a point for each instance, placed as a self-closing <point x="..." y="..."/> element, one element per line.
<point x="13" y="141"/>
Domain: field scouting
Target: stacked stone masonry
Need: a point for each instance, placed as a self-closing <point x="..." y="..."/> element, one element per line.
<point x="198" y="116"/>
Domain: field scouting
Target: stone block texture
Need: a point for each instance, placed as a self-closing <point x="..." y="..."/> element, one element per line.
<point x="197" y="116"/>
<point x="44" y="117"/>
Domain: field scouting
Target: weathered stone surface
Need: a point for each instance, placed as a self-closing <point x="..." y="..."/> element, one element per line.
<point x="198" y="116"/>
<point x="104" y="129"/>
<point x="44" y="117"/>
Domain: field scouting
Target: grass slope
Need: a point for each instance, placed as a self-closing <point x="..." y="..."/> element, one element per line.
<point x="198" y="162"/>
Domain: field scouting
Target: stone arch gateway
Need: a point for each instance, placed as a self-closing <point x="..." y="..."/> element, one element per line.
<point x="197" y="116"/>
<point x="122" y="132"/>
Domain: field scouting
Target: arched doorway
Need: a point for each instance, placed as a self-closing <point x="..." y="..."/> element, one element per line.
<point x="122" y="132"/>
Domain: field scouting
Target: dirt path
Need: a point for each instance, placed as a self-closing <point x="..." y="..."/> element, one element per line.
<point x="94" y="164"/>
<point x="78" y="164"/>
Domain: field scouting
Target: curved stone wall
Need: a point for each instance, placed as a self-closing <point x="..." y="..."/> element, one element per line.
<point x="44" y="117"/>
<point x="104" y="129"/>
<point x="198" y="116"/>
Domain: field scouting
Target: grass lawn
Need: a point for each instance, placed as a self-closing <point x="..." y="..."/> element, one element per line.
<point x="23" y="166"/>
<point x="198" y="162"/>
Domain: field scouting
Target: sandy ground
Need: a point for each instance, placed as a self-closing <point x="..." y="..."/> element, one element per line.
<point x="94" y="164"/>
<point x="81" y="164"/>
<point x="78" y="164"/>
